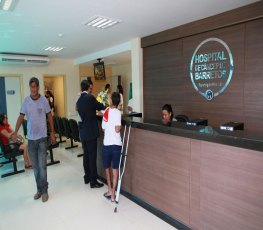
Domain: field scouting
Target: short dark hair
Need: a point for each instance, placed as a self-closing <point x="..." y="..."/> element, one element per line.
<point x="90" y="82"/>
<point x="107" y="86"/>
<point x="34" y="80"/>
<point x="169" y="109"/>
<point x="119" y="87"/>
<point x="84" y="85"/>
<point x="115" y="98"/>
<point x="49" y="93"/>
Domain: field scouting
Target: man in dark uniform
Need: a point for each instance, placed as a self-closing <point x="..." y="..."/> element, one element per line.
<point x="89" y="132"/>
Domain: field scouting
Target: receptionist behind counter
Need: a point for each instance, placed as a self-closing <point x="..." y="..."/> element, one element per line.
<point x="167" y="115"/>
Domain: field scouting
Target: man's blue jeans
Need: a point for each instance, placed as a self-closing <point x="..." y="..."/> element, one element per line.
<point x="37" y="150"/>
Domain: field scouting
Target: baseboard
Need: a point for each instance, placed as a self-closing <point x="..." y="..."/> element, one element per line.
<point x="165" y="217"/>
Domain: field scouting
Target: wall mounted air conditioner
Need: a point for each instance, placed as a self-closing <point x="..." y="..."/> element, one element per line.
<point x="27" y="60"/>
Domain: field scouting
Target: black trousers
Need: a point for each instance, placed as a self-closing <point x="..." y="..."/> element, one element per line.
<point x="90" y="160"/>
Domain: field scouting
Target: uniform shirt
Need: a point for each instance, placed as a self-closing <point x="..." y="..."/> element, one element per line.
<point x="36" y="111"/>
<point x="111" y="118"/>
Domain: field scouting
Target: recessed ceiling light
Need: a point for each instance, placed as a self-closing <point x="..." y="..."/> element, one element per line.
<point x="7" y="4"/>
<point x="101" y="22"/>
<point x="54" y="48"/>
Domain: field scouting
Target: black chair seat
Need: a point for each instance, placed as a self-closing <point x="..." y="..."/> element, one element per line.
<point x="10" y="152"/>
<point x="14" y="154"/>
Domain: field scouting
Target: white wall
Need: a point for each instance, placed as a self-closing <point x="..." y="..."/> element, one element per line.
<point x="63" y="67"/>
<point x="136" y="68"/>
<point x="137" y="74"/>
<point x="125" y="72"/>
<point x="13" y="102"/>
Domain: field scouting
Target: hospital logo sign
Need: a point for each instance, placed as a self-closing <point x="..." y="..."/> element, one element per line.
<point x="211" y="67"/>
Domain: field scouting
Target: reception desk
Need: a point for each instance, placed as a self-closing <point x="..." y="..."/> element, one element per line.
<point x="202" y="177"/>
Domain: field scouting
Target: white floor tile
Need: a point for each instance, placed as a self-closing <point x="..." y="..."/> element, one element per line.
<point x="72" y="204"/>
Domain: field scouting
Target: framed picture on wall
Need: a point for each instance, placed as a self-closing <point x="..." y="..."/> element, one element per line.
<point x="99" y="71"/>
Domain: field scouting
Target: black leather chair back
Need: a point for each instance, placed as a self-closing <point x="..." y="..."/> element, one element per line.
<point x="67" y="130"/>
<point x="60" y="126"/>
<point x="74" y="129"/>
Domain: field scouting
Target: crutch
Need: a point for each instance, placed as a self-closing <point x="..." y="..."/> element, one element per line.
<point x="123" y="157"/>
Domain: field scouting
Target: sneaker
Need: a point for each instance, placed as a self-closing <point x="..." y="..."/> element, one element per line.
<point x="45" y="197"/>
<point x="37" y="196"/>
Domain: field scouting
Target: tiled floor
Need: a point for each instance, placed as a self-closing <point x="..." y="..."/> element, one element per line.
<point x="72" y="204"/>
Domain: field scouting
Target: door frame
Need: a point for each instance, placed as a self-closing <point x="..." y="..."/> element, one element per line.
<point x="64" y="89"/>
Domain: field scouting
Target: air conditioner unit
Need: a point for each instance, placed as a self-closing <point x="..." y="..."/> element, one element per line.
<point x="27" y="60"/>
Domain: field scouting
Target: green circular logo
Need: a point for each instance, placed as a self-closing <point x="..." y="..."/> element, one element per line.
<point x="211" y="67"/>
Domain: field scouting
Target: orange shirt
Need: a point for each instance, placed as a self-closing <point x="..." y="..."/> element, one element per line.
<point x="3" y="138"/>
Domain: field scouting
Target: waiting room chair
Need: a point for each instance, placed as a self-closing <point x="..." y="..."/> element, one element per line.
<point x="68" y="133"/>
<point x="75" y="132"/>
<point x="59" y="126"/>
<point x="10" y="152"/>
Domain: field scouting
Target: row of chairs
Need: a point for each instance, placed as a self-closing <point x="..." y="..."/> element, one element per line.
<point x="11" y="151"/>
<point x="67" y="128"/>
<point x="63" y="127"/>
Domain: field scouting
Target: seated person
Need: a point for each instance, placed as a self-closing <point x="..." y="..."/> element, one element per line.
<point x="167" y="115"/>
<point x="6" y="133"/>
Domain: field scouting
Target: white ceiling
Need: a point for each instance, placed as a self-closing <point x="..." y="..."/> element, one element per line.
<point x="34" y="25"/>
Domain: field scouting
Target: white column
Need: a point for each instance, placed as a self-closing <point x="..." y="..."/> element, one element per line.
<point x="137" y="74"/>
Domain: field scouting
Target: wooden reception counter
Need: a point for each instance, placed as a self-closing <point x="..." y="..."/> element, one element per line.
<point x="202" y="177"/>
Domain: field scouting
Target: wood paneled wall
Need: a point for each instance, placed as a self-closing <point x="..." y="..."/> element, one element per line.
<point x="206" y="186"/>
<point x="167" y="57"/>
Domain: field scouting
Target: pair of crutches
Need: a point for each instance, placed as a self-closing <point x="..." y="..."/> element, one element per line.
<point x="122" y="163"/>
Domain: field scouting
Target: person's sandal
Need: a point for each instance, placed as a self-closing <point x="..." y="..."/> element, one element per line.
<point x="107" y="195"/>
<point x="28" y="166"/>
